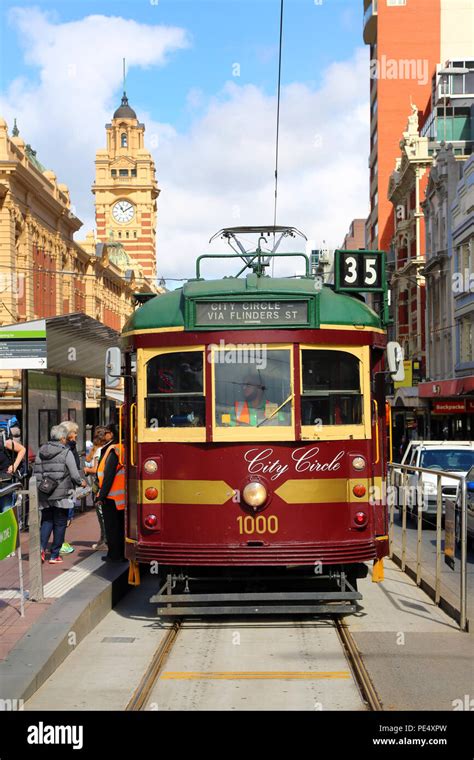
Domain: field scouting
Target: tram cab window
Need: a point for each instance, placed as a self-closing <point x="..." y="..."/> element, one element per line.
<point x="331" y="388"/>
<point x="253" y="389"/>
<point x="175" y="396"/>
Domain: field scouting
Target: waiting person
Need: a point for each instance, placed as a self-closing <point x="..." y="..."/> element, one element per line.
<point x="71" y="441"/>
<point x="56" y="461"/>
<point x="8" y="466"/>
<point x="111" y="496"/>
<point x="90" y="469"/>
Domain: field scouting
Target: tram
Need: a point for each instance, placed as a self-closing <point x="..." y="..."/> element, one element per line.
<point x="253" y="433"/>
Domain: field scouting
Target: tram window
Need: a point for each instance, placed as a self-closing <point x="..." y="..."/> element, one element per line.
<point x="175" y="395"/>
<point x="331" y="388"/>
<point x="249" y="393"/>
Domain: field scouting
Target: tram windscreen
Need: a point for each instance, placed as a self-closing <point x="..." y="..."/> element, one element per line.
<point x="331" y="388"/>
<point x="253" y="389"/>
<point x="175" y="396"/>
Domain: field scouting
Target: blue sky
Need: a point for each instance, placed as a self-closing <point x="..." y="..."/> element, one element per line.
<point x="223" y="32"/>
<point x="211" y="133"/>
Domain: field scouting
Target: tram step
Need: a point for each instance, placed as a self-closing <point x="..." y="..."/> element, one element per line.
<point x="280" y="609"/>
<point x="258" y="597"/>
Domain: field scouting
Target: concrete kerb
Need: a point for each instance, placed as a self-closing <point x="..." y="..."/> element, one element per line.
<point x="49" y="641"/>
<point x="447" y="601"/>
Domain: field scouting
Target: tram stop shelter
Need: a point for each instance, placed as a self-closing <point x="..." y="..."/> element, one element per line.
<point x="75" y="350"/>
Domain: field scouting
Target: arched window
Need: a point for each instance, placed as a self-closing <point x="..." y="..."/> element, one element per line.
<point x="123" y="140"/>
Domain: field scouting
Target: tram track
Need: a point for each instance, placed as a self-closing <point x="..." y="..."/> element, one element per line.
<point x="150" y="679"/>
<point x="357" y="665"/>
<point x="151" y="674"/>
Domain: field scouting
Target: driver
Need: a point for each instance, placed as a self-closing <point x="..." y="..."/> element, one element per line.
<point x="255" y="408"/>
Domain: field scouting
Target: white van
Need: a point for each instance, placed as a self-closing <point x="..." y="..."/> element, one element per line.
<point x="449" y="456"/>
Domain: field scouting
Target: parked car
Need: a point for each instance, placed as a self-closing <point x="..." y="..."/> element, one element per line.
<point x="469" y="510"/>
<point x="448" y="456"/>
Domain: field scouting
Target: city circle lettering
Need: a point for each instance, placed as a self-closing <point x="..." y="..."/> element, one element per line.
<point x="262" y="462"/>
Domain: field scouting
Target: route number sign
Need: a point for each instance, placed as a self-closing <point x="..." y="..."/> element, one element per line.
<point x="359" y="271"/>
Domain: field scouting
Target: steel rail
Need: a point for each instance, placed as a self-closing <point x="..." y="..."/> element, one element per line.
<point x="148" y="680"/>
<point x="357" y="666"/>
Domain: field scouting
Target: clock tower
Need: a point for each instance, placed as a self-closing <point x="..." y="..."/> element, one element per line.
<point x="126" y="190"/>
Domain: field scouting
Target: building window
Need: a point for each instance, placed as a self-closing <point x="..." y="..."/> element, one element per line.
<point x="114" y="172"/>
<point x="123" y="140"/>
<point x="467" y="339"/>
<point x="123" y="172"/>
<point x="133" y="173"/>
<point x="120" y="234"/>
<point x="396" y="2"/>
<point x="127" y="234"/>
<point x="135" y="234"/>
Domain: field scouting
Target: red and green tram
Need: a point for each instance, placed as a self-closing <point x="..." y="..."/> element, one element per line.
<point x="254" y="438"/>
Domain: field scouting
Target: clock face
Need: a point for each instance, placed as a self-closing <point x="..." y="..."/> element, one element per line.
<point x="123" y="212"/>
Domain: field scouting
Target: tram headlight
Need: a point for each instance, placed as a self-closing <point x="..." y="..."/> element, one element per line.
<point x="358" y="463"/>
<point x="254" y="494"/>
<point x="150" y="466"/>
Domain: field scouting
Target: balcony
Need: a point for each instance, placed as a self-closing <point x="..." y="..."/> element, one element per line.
<point x="370" y="23"/>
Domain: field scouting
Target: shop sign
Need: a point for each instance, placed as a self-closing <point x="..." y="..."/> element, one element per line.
<point x="449" y="407"/>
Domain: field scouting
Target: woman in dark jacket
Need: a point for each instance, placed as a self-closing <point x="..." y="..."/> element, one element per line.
<point x="56" y="461"/>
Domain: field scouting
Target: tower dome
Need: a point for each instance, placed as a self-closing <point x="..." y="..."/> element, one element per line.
<point x="124" y="111"/>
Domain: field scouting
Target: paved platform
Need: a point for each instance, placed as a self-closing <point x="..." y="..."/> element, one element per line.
<point x="415" y="654"/>
<point x="78" y="593"/>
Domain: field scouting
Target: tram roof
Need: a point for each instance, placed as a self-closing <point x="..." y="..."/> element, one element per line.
<point x="168" y="309"/>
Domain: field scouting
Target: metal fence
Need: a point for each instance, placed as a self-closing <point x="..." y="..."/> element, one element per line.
<point x="398" y="481"/>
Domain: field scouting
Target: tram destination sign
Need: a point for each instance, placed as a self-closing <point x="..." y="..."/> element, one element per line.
<point x="250" y="313"/>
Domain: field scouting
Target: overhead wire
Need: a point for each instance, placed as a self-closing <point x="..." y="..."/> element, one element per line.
<point x="277" y="138"/>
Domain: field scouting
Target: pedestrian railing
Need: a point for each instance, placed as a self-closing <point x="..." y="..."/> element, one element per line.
<point x="415" y="499"/>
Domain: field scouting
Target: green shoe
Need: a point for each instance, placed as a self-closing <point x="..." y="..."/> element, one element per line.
<point x="66" y="548"/>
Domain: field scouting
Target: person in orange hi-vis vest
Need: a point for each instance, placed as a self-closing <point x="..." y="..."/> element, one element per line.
<point x="254" y="408"/>
<point x="111" y="496"/>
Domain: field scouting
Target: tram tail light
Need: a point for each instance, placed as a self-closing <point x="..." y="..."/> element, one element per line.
<point x="151" y="521"/>
<point x="360" y="519"/>
<point x="359" y="490"/>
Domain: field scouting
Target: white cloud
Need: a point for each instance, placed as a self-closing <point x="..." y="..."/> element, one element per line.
<point x="220" y="172"/>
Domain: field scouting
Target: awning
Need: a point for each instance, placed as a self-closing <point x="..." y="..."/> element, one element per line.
<point x="409" y="398"/>
<point x="76" y="345"/>
<point x="446" y="388"/>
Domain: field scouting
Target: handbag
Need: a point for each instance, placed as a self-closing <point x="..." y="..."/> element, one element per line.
<point x="47" y="485"/>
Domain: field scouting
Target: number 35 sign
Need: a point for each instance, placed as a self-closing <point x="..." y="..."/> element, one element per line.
<point x="359" y="271"/>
